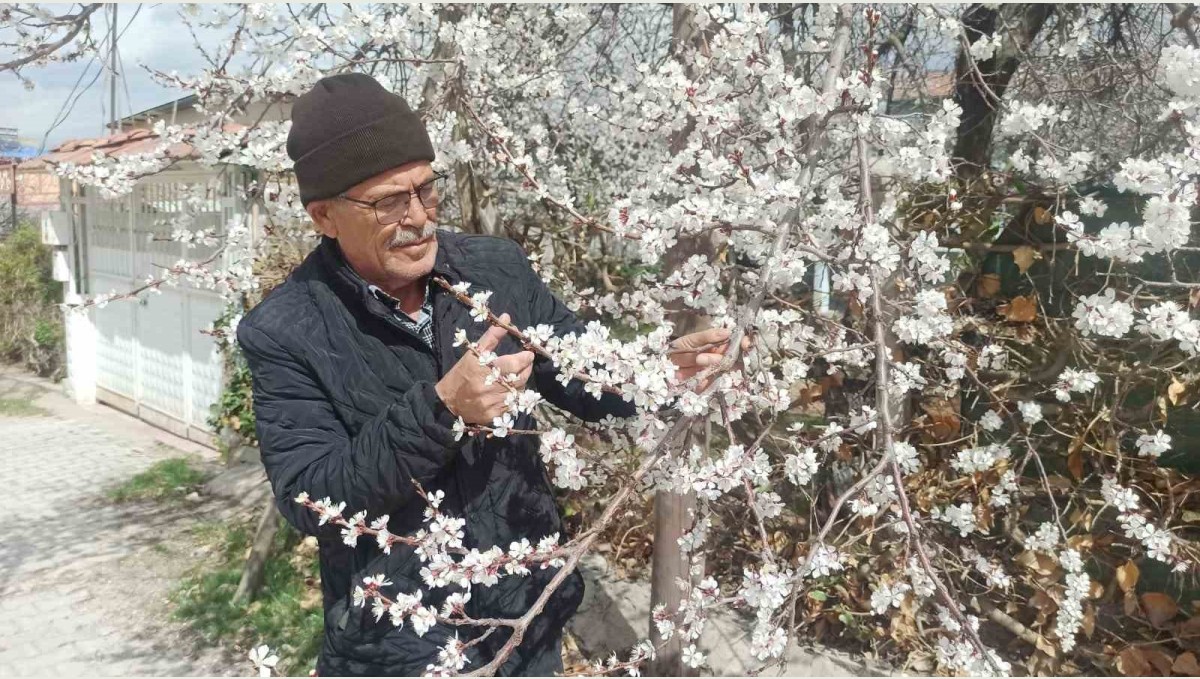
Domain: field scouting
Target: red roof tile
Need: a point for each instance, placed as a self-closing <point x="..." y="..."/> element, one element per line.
<point x="128" y="143"/>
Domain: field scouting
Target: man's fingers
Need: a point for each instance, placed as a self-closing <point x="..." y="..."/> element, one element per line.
<point x="723" y="347"/>
<point x="493" y="335"/>
<point x="514" y="363"/>
<point x="699" y="339"/>
<point x="517" y="378"/>
<point x="523" y="376"/>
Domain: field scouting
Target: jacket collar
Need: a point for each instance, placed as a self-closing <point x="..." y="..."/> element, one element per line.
<point x="352" y="286"/>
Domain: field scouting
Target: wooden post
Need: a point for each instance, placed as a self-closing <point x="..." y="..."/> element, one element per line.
<point x="264" y="540"/>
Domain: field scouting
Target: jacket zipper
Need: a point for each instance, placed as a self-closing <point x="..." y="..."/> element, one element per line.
<point x="433" y="308"/>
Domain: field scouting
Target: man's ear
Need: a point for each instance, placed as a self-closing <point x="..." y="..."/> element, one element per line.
<point x="321" y="213"/>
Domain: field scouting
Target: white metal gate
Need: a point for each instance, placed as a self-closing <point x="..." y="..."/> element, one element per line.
<point x="152" y="358"/>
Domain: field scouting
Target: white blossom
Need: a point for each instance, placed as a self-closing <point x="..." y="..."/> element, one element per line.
<point x="980" y="459"/>
<point x="1072" y="380"/>
<point x="1031" y="412"/>
<point x="801" y="467"/>
<point x="906" y="457"/>
<point x="1153" y="445"/>
<point x="1045" y="539"/>
<point x="1102" y="314"/>
<point x="961" y="517"/>
<point x="824" y="560"/>
<point x="887" y="595"/>
<point x="264" y="660"/>
<point x="991" y="421"/>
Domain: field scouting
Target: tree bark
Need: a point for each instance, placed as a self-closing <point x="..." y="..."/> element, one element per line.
<point x="260" y="551"/>
<point x="672" y="512"/>
<point x="477" y="208"/>
<point x="671" y="520"/>
<point x="979" y="98"/>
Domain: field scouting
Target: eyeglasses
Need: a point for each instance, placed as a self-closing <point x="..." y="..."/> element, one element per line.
<point x="393" y="208"/>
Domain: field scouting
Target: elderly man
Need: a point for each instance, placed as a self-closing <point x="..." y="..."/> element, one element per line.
<point x="357" y="384"/>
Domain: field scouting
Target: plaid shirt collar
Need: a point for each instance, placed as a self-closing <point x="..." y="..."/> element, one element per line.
<point x="422" y="326"/>
<point x="353" y="283"/>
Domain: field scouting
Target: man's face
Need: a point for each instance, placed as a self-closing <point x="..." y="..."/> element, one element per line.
<point x="389" y="255"/>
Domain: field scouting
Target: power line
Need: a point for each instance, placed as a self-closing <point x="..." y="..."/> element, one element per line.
<point x="124" y="82"/>
<point x="68" y="105"/>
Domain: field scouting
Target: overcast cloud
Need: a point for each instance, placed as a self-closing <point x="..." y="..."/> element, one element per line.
<point x="156" y="36"/>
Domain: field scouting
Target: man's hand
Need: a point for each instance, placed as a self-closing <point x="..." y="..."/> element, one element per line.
<point x="463" y="389"/>
<point x="699" y="350"/>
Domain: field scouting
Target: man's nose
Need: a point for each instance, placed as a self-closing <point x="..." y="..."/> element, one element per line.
<point x="416" y="213"/>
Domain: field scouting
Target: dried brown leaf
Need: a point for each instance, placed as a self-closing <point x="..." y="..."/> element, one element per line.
<point x="1132" y="663"/>
<point x="989" y="285"/>
<point x="944" y="422"/>
<point x="1075" y="464"/>
<point x="1160" y="660"/>
<point x="1160" y="608"/>
<point x="1186" y="664"/>
<point x="1175" y="391"/>
<point x="1127" y="576"/>
<point x="1020" y="309"/>
<point x="1024" y="256"/>
<point x="1189" y="628"/>
<point x="1042" y="564"/>
<point x="1129" y="603"/>
<point x="1044" y="605"/>
<point x="1043" y="644"/>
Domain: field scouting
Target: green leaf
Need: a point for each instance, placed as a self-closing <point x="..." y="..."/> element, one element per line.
<point x="818" y="596"/>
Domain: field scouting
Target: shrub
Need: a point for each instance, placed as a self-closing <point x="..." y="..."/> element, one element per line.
<point x="31" y="327"/>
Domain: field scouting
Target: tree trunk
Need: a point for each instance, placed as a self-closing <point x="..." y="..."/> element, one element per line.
<point x="979" y="97"/>
<point x="672" y="512"/>
<point x="477" y="209"/>
<point x="671" y="521"/>
<point x="260" y="551"/>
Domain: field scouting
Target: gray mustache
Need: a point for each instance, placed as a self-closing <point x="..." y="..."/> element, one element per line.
<point x="403" y="236"/>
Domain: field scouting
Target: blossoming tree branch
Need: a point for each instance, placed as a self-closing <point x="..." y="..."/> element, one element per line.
<point x="954" y="417"/>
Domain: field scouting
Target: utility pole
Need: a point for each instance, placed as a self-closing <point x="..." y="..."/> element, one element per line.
<point x="10" y="154"/>
<point x="112" y="59"/>
<point x="13" y="165"/>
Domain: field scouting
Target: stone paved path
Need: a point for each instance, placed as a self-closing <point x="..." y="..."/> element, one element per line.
<point x="82" y="582"/>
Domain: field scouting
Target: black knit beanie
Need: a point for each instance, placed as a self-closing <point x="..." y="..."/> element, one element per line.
<point x="346" y="129"/>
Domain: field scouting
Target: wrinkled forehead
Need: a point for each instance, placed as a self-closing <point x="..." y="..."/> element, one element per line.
<point x="402" y="178"/>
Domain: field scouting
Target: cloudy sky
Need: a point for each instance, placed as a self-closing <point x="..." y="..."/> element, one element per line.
<point x="150" y="34"/>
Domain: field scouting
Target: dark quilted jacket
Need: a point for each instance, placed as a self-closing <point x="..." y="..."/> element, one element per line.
<point x="346" y="409"/>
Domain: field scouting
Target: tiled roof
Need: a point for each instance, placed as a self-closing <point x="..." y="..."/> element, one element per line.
<point x="132" y="142"/>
